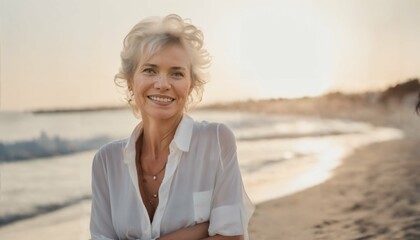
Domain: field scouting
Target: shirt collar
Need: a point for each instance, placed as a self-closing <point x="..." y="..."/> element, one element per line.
<point x="183" y="134"/>
<point x="182" y="138"/>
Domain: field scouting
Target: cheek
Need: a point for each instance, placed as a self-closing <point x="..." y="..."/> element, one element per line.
<point x="139" y="84"/>
<point x="185" y="89"/>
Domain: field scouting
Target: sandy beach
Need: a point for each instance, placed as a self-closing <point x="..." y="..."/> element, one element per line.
<point x="373" y="194"/>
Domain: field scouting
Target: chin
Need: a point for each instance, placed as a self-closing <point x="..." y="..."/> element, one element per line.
<point x="160" y="114"/>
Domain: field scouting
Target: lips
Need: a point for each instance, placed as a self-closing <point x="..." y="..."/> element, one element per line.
<point x="162" y="99"/>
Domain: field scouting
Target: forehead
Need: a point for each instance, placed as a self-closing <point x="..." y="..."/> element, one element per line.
<point x="172" y="55"/>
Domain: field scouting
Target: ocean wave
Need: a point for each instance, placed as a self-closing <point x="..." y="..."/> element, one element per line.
<point x="39" y="210"/>
<point x="46" y="146"/>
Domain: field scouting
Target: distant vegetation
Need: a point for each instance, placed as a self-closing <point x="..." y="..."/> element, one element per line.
<point x="401" y="91"/>
<point x="45" y="146"/>
<point x="407" y="92"/>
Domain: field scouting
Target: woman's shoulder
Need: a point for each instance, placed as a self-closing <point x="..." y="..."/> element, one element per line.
<point x="204" y="125"/>
<point x="217" y="130"/>
<point x="112" y="147"/>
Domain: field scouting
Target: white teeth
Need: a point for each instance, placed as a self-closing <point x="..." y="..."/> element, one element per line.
<point x="160" y="99"/>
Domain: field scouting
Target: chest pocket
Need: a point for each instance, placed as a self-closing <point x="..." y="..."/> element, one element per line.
<point x="202" y="206"/>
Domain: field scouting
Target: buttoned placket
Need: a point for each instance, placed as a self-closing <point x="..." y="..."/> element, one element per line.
<point x="147" y="233"/>
<point x="130" y="159"/>
<point x="173" y="161"/>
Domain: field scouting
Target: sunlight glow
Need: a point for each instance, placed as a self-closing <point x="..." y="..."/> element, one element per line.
<point x="285" y="54"/>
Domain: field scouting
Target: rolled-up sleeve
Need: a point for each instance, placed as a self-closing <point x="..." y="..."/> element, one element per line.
<point x="231" y="207"/>
<point x="101" y="227"/>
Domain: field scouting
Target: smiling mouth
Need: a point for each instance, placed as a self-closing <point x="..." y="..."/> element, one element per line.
<point x="161" y="99"/>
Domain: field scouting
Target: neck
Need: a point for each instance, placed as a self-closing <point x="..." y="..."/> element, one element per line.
<point x="157" y="135"/>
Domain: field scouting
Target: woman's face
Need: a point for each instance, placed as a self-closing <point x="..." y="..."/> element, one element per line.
<point x="162" y="83"/>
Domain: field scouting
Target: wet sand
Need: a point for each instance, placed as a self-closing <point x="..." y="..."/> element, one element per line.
<point x="69" y="223"/>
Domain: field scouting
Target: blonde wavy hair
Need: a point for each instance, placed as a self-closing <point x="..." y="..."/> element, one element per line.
<point x="149" y="36"/>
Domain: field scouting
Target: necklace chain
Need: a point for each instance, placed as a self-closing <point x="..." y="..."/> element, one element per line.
<point x="153" y="196"/>
<point x="154" y="176"/>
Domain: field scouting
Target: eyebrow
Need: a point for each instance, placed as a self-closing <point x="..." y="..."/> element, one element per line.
<point x="149" y="65"/>
<point x="156" y="66"/>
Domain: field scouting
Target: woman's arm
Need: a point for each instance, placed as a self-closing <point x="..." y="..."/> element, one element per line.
<point x="196" y="232"/>
<point x="101" y="226"/>
<point x="231" y="208"/>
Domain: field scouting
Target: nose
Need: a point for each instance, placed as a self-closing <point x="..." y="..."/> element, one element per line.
<point x="162" y="83"/>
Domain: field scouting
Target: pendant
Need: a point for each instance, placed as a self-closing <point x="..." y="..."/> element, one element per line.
<point x="154" y="178"/>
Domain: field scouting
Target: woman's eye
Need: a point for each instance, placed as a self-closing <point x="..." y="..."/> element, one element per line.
<point x="149" y="71"/>
<point x="178" y="74"/>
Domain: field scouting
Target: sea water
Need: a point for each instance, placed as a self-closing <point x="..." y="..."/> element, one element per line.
<point x="278" y="154"/>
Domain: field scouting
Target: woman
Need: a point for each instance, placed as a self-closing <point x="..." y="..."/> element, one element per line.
<point x="173" y="178"/>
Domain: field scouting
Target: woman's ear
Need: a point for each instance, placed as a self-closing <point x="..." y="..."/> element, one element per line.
<point x="130" y="88"/>
<point x="130" y="84"/>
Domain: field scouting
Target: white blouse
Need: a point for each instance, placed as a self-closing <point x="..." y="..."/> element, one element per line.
<point x="202" y="182"/>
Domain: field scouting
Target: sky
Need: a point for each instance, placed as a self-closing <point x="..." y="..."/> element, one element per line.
<point x="64" y="54"/>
